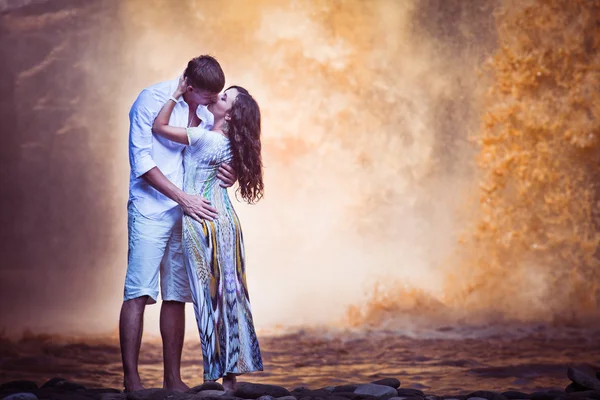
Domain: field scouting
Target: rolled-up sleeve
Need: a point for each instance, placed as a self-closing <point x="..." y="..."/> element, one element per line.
<point x="140" y="135"/>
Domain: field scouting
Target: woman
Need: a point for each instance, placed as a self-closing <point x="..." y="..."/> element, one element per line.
<point x="214" y="250"/>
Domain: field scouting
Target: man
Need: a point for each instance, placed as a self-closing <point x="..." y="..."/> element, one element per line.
<point x="155" y="207"/>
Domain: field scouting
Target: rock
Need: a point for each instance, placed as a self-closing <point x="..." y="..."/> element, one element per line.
<point x="49" y="392"/>
<point x="345" y="388"/>
<point x="486" y="394"/>
<point x="583" y="379"/>
<point x="21" y="396"/>
<point x="72" y="396"/>
<point x="209" y="392"/>
<point x="110" y="396"/>
<point x="267" y="398"/>
<point x="206" y="386"/>
<point x="286" y="398"/>
<point x="547" y="395"/>
<point x="376" y="390"/>
<point x="406" y="392"/>
<point x="149" y="394"/>
<point x="575" y="387"/>
<point x="514" y="395"/>
<point x="476" y="398"/>
<point x="248" y="390"/>
<point x="590" y="394"/>
<point x="391" y="382"/>
<point x="52" y="382"/>
<point x="66" y="385"/>
<point x="24" y="386"/>
<point x="354" y="396"/>
<point x="102" y="391"/>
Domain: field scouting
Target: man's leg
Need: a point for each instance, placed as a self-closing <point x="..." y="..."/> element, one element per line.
<point x="175" y="288"/>
<point x="172" y="330"/>
<point x="148" y="239"/>
<point x="131" y="325"/>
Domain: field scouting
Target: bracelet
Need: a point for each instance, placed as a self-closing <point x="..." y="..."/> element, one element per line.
<point x="174" y="99"/>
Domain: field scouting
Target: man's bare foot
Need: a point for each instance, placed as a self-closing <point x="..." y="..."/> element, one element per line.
<point x="177" y="386"/>
<point x="229" y="382"/>
<point x="132" y="385"/>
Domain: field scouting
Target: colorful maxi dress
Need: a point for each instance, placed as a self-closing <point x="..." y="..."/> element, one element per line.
<point x="214" y="259"/>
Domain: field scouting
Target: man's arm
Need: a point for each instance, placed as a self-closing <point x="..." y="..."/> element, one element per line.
<point x="196" y="207"/>
<point x="227" y="175"/>
<point x="143" y="165"/>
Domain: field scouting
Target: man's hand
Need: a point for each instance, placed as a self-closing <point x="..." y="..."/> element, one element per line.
<point x="227" y="175"/>
<point x="198" y="208"/>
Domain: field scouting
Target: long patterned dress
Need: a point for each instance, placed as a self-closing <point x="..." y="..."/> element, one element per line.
<point x="214" y="259"/>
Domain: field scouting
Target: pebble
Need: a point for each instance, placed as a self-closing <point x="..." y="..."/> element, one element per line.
<point x="247" y="390"/>
<point x="21" y="396"/>
<point x="391" y="382"/>
<point x="376" y="390"/>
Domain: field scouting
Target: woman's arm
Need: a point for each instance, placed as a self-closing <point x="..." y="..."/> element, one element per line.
<point x="161" y="125"/>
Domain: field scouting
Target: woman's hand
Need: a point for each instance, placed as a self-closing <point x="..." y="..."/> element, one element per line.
<point x="181" y="87"/>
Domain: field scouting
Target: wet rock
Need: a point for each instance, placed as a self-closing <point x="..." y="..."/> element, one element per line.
<point x="583" y="379"/>
<point x="406" y="392"/>
<point x="286" y="398"/>
<point x="476" y="398"/>
<point x="376" y="390"/>
<point x="514" y="395"/>
<point x="49" y="392"/>
<point x="345" y="388"/>
<point x="391" y="382"/>
<point x="206" y="386"/>
<point x="575" y="387"/>
<point x="486" y="394"/>
<point x="266" y="398"/>
<point x="417" y="386"/>
<point x="24" y="386"/>
<point x="21" y="396"/>
<point x="247" y="390"/>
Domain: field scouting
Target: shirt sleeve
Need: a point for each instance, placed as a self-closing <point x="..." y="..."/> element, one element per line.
<point x="140" y="135"/>
<point x="194" y="134"/>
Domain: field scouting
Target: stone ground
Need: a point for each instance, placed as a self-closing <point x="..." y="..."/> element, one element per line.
<point x="583" y="386"/>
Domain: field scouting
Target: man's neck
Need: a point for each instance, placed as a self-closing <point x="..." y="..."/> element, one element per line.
<point x="189" y="102"/>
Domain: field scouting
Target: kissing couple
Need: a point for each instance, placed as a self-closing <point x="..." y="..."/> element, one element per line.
<point x="188" y="142"/>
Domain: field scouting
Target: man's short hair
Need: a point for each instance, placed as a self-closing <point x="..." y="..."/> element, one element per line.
<point x="205" y="73"/>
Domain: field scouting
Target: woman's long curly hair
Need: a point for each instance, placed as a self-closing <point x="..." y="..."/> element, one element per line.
<point x="243" y="130"/>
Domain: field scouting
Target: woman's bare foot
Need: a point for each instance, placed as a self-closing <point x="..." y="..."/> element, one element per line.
<point x="229" y="382"/>
<point x="132" y="385"/>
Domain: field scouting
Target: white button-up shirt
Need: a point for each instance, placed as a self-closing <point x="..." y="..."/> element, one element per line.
<point x="147" y="151"/>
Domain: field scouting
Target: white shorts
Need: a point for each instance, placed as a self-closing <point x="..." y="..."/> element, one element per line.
<point x="155" y="246"/>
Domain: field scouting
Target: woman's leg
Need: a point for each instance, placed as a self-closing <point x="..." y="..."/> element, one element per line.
<point x="230" y="381"/>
